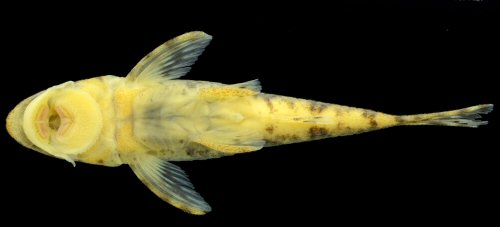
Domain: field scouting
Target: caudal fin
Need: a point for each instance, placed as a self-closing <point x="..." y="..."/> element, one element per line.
<point x="467" y="117"/>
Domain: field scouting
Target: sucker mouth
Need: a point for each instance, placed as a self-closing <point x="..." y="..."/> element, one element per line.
<point x="54" y="121"/>
<point x="62" y="121"/>
<point x="50" y="120"/>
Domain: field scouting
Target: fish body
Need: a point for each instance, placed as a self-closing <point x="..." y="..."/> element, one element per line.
<point x="150" y="118"/>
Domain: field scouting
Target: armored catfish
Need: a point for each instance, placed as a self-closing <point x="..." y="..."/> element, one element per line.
<point x="150" y="118"/>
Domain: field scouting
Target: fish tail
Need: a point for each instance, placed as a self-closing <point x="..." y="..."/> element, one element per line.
<point x="466" y="117"/>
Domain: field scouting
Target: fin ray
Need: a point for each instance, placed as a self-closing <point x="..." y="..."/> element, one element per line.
<point x="466" y="117"/>
<point x="169" y="182"/>
<point x="172" y="59"/>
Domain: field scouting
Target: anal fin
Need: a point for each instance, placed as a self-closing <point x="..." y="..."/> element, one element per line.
<point x="169" y="182"/>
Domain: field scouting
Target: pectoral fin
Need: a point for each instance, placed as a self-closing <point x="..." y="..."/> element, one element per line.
<point x="169" y="182"/>
<point x="172" y="59"/>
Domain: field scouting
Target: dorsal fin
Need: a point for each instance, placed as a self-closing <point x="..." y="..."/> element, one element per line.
<point x="172" y="59"/>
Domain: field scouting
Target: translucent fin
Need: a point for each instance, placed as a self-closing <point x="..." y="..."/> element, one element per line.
<point x="253" y="85"/>
<point x="172" y="59"/>
<point x="248" y="88"/>
<point x="169" y="182"/>
<point x="467" y="117"/>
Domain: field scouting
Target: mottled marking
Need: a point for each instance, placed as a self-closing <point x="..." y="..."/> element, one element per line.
<point x="270" y="143"/>
<point x="165" y="151"/>
<point x="297" y="118"/>
<point x="315" y="132"/>
<point x="199" y="151"/>
<point x="369" y="114"/>
<point x="269" y="104"/>
<point x="340" y="125"/>
<point x="291" y="104"/>
<point x="285" y="138"/>
<point x="151" y="152"/>
<point x="270" y="129"/>
<point x="399" y="119"/>
<point x="317" y="107"/>
<point x="152" y="112"/>
<point x="371" y="117"/>
<point x="190" y="151"/>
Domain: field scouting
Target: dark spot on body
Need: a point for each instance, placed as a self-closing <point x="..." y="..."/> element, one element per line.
<point x="200" y="151"/>
<point x="317" y="132"/>
<point x="371" y="117"/>
<point x="100" y="161"/>
<point x="190" y="151"/>
<point x="339" y="125"/>
<point x="286" y="138"/>
<point x="291" y="104"/>
<point x="280" y="138"/>
<point x="297" y="118"/>
<point x="369" y="114"/>
<point x="269" y="104"/>
<point x="152" y="112"/>
<point x="165" y="151"/>
<point x="270" y="143"/>
<point x="399" y="119"/>
<point x="317" y="107"/>
<point x="151" y="152"/>
<point x="270" y="129"/>
<point x="181" y="141"/>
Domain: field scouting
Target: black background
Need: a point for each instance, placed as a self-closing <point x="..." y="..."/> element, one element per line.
<point x="396" y="57"/>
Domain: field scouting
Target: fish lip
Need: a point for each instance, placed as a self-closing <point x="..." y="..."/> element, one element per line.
<point x="14" y="121"/>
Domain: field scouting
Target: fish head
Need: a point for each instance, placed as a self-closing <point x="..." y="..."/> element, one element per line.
<point x="62" y="121"/>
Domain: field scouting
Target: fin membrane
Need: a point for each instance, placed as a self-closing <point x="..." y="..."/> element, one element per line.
<point x="172" y="59"/>
<point x="466" y="117"/>
<point x="169" y="182"/>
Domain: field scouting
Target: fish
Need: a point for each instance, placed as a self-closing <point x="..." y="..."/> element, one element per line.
<point x="152" y="117"/>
